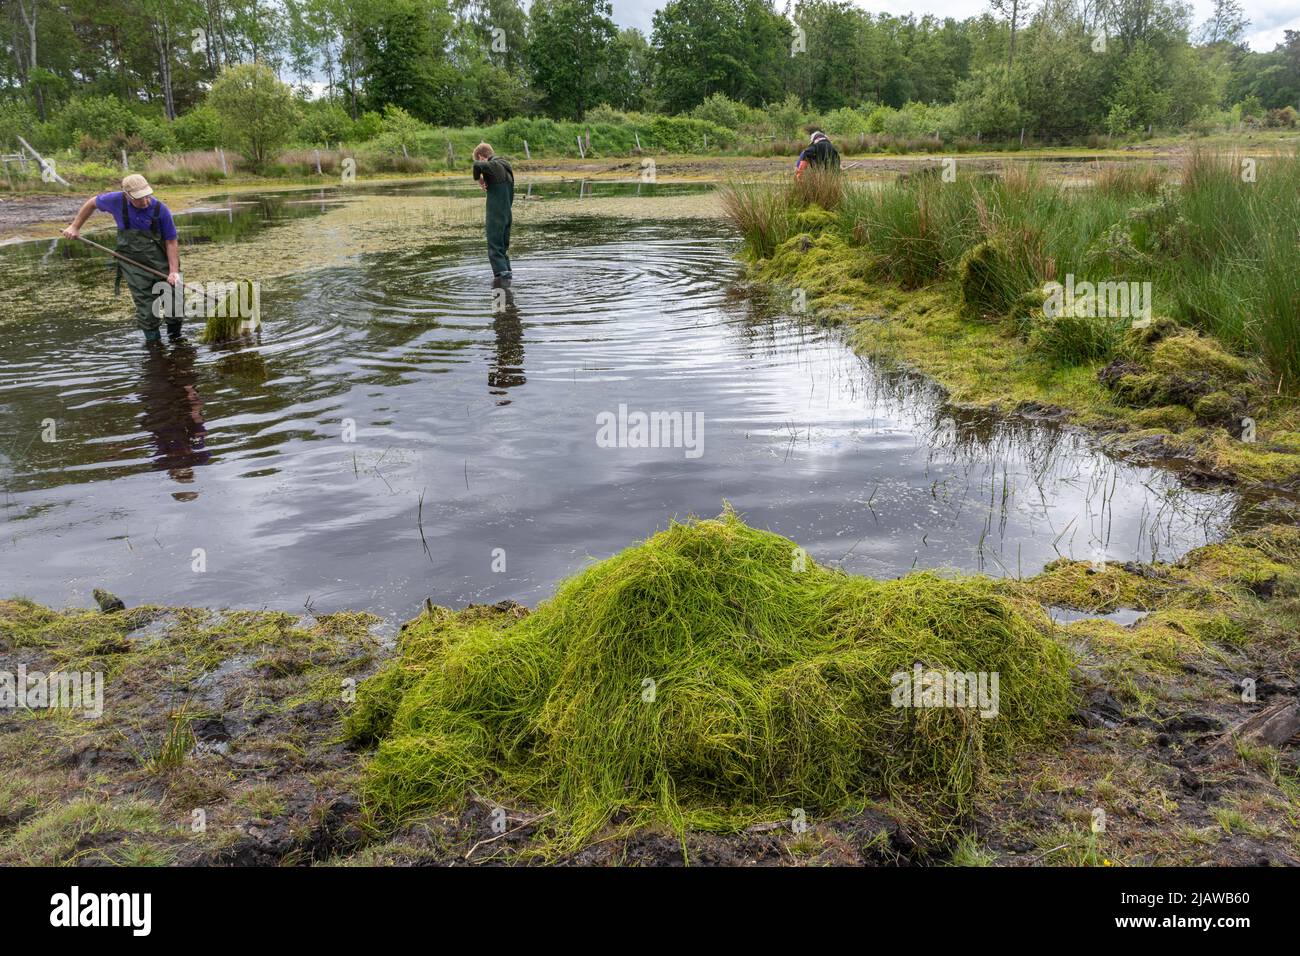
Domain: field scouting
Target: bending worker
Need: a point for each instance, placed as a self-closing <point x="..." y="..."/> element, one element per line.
<point x="497" y="179"/>
<point x="146" y="234"/>
<point x="820" y="153"/>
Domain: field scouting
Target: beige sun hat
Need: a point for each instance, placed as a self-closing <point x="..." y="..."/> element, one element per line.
<point x="136" y="186"/>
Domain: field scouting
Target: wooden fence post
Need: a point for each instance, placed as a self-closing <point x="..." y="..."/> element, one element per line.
<point x="43" y="163"/>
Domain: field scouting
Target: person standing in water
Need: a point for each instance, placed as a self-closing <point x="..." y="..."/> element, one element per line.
<point x="497" y="179"/>
<point x="147" y="235"/>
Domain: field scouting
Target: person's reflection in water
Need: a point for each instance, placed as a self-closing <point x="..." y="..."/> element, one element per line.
<point x="507" y="369"/>
<point x="173" y="413"/>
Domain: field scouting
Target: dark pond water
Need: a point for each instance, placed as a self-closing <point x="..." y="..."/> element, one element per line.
<point x="476" y="469"/>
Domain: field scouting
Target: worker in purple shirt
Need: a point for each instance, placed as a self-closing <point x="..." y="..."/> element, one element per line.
<point x="145" y="234"/>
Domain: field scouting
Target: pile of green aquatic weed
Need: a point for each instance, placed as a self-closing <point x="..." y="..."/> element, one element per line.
<point x="709" y="676"/>
<point x="234" y="307"/>
<point x="1175" y="367"/>
<point x="1237" y="593"/>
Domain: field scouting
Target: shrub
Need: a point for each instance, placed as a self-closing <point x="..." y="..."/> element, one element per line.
<point x="16" y="119"/>
<point x="200" y="128"/>
<point x="323" y="122"/>
<point x="155" y="135"/>
<point x="845" y="122"/>
<point x="604" y="113"/>
<point x="257" y="111"/>
<point x="719" y="110"/>
<point x="368" y="125"/>
<point x="681" y="134"/>
<point x="402" y="131"/>
<point x="786" y="117"/>
<point x="96" y="116"/>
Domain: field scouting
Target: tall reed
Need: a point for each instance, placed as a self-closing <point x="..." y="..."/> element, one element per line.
<point x="1218" y="240"/>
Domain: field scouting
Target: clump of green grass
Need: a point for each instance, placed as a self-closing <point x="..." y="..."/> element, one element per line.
<point x="818" y="187"/>
<point x="83" y="830"/>
<point x="1125" y="179"/>
<point x="1067" y="340"/>
<point x="988" y="288"/>
<point x="710" y="675"/>
<point x="175" y="747"/>
<point x="761" y="212"/>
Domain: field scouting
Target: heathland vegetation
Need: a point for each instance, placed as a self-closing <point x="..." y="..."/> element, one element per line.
<point x="409" y="85"/>
<point x="963" y="266"/>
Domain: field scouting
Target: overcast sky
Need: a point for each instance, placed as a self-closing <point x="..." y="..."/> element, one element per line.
<point x="1268" y="18"/>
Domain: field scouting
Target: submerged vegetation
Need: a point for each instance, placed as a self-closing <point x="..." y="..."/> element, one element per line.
<point x="1189" y="314"/>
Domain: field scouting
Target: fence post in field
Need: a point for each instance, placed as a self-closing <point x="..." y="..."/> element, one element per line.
<point x="42" y="162"/>
<point x="527" y="154"/>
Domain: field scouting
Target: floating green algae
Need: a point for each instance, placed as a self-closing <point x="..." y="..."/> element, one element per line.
<point x="706" y="676"/>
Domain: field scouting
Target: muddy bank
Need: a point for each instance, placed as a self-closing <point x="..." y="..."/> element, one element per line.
<point x="221" y="743"/>
<point x="17" y="212"/>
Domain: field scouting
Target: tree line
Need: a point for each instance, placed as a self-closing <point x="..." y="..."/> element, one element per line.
<point x="1061" y="68"/>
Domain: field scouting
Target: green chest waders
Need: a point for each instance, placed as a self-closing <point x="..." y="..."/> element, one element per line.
<point x="145" y="246"/>
<point x="499" y="198"/>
